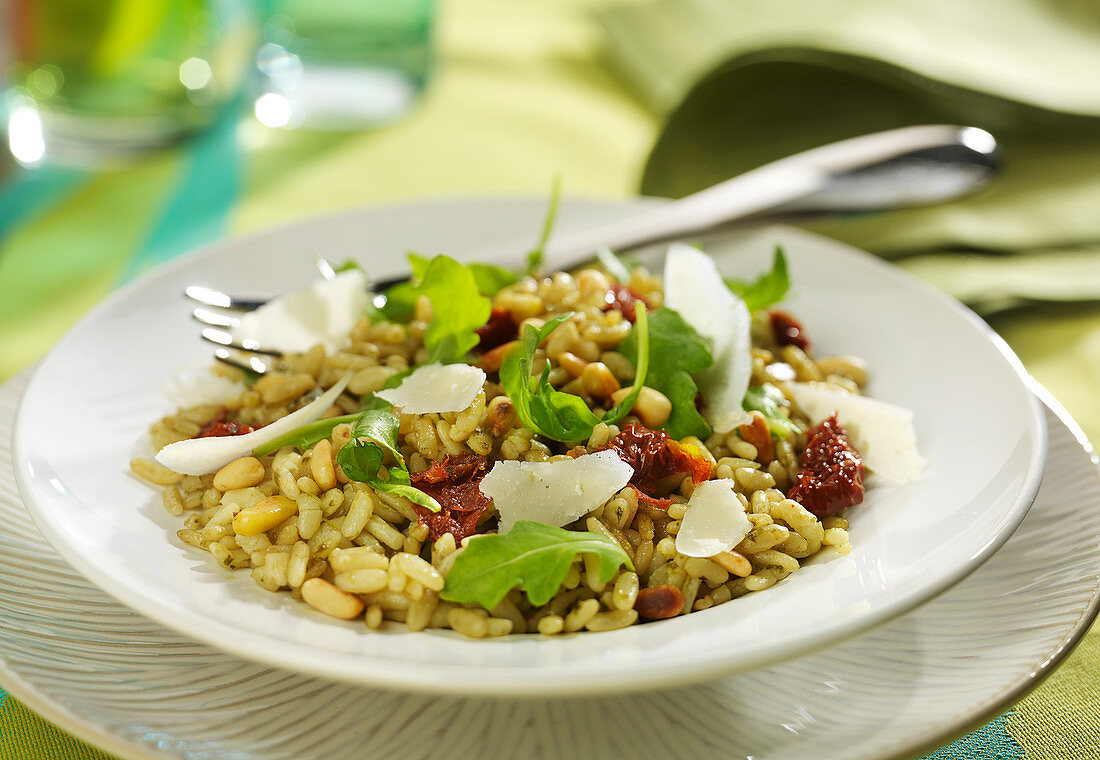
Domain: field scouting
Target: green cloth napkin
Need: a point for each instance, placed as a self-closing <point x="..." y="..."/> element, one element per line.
<point x="742" y="83"/>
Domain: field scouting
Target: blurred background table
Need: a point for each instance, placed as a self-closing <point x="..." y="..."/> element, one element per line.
<point x="660" y="97"/>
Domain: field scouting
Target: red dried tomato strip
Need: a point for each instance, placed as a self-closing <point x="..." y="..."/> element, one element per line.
<point x="455" y="483"/>
<point x="788" y="330"/>
<point x="831" y="477"/>
<point x="653" y="501"/>
<point x="500" y="329"/>
<point x="654" y="456"/>
<point x="621" y="298"/>
<point x="217" y="427"/>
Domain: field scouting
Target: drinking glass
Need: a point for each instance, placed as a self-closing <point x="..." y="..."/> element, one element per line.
<point x="342" y="64"/>
<point x="93" y="79"/>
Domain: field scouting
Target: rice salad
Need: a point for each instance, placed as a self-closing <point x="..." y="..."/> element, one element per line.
<point x="500" y="452"/>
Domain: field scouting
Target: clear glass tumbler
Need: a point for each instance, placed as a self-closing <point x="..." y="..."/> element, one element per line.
<point x="342" y="64"/>
<point x="95" y="79"/>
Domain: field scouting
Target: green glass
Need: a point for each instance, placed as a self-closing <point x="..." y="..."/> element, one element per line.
<point x="343" y="64"/>
<point x="124" y="74"/>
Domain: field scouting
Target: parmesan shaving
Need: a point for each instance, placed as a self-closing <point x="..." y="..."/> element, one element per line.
<point x="694" y="288"/>
<point x="324" y="312"/>
<point x="200" y="456"/>
<point x="554" y="493"/>
<point x="715" y="520"/>
<point x="436" y="388"/>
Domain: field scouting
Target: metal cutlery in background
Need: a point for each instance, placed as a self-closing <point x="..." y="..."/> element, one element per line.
<point x="898" y="168"/>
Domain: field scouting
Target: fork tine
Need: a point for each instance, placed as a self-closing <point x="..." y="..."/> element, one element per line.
<point x="246" y="362"/>
<point x="210" y="297"/>
<point x="214" y="318"/>
<point x="223" y="338"/>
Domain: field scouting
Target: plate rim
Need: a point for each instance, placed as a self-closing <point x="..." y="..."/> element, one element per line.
<point x="1030" y="678"/>
<point x="501" y="681"/>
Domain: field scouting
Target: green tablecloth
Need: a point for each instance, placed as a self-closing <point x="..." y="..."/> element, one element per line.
<point x="661" y="97"/>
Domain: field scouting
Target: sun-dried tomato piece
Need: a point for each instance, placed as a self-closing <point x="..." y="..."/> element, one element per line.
<point x="831" y="477"/>
<point x="621" y="298"/>
<point x="217" y="427"/>
<point x="500" y="329"/>
<point x="688" y="459"/>
<point x="788" y="330"/>
<point x="454" y="482"/>
<point x="654" y="456"/>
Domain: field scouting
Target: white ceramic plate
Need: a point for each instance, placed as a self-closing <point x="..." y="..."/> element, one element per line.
<point x="88" y="405"/>
<point x="143" y="692"/>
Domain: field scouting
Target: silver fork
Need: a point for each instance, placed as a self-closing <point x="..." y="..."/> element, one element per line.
<point x="911" y="166"/>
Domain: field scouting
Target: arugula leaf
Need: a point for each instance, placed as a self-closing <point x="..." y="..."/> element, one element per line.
<point x="770" y="401"/>
<point x="401" y="298"/>
<point x="615" y="266"/>
<point x="531" y="555"/>
<point x="400" y="302"/>
<point x="767" y="289"/>
<point x="310" y="435"/>
<point x="552" y="413"/>
<point x="489" y="280"/>
<point x="305" y="436"/>
<point x="492" y="279"/>
<point x="535" y="255"/>
<point x="639" y="334"/>
<point x="458" y="308"/>
<point x="675" y="351"/>
<point x="361" y="458"/>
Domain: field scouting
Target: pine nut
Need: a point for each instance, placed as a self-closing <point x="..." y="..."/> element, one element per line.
<point x="735" y="563"/>
<point x="572" y="363"/>
<point x="322" y="595"/>
<point x="370" y="380"/>
<point x="240" y="473"/>
<point x="652" y="407"/>
<point x="597" y="380"/>
<point x="492" y="359"/>
<point x="500" y="415"/>
<point x="291" y="387"/>
<point x="660" y="602"/>
<point x="592" y="283"/>
<point x="611" y="620"/>
<point x="154" y="472"/>
<point x="264" y="516"/>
